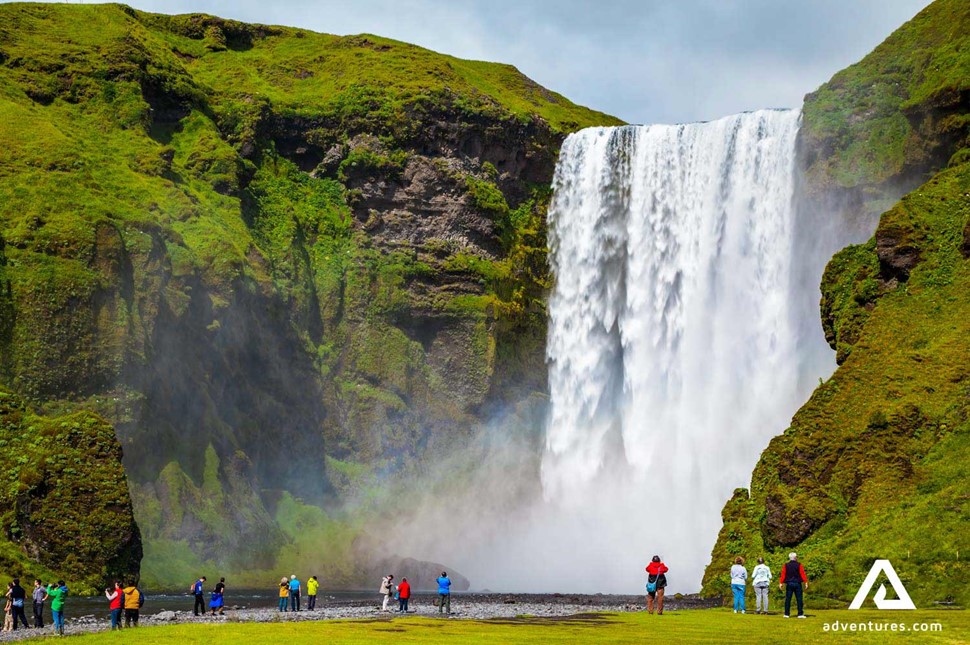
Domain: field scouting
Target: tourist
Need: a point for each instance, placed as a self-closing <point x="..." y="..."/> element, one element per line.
<point x="39" y="595"/>
<point x="18" y="599"/>
<point x="792" y="578"/>
<point x="8" y="610"/>
<point x="656" y="583"/>
<point x="739" y="578"/>
<point x="116" y="597"/>
<point x="57" y="594"/>
<point x="444" y="592"/>
<point x="218" y="600"/>
<point x="284" y="594"/>
<point x="294" y="593"/>
<point x="403" y="595"/>
<point x="133" y="603"/>
<point x="198" y="590"/>
<point x="312" y="586"/>
<point x="387" y="588"/>
<point x="761" y="580"/>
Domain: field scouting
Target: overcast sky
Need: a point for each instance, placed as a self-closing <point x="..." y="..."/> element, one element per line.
<point x="646" y="61"/>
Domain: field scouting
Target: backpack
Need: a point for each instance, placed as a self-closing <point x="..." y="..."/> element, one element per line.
<point x="141" y="597"/>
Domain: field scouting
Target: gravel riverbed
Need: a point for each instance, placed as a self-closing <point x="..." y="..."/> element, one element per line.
<point x="468" y="606"/>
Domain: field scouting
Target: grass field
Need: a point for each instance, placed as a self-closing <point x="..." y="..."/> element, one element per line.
<point x="698" y="626"/>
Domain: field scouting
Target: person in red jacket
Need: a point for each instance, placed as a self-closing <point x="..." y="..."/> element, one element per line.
<point x="116" y="597"/>
<point x="403" y="595"/>
<point x="792" y="578"/>
<point x="656" y="581"/>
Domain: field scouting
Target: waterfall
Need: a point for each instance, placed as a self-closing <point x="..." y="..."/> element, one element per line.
<point x="672" y="343"/>
<point x="682" y="337"/>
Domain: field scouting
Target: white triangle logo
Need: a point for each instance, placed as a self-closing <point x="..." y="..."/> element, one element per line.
<point x="883" y="566"/>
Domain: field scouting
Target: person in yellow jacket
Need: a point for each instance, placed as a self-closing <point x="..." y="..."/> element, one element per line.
<point x="284" y="593"/>
<point x="133" y="603"/>
<point x="312" y="586"/>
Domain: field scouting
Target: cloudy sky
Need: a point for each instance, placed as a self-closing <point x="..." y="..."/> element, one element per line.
<point x="645" y="61"/>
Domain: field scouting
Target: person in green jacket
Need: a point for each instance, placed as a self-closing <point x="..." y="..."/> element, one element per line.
<point x="57" y="593"/>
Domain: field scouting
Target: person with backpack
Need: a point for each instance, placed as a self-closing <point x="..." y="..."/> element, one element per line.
<point x="656" y="583"/>
<point x="444" y="592"/>
<point x="39" y="596"/>
<point x="312" y="586"/>
<point x="792" y="578"/>
<point x="739" y="580"/>
<point x="198" y="590"/>
<point x="218" y="599"/>
<point x="134" y="599"/>
<point x="116" y="600"/>
<point x="403" y="595"/>
<point x="761" y="580"/>
<point x="18" y="598"/>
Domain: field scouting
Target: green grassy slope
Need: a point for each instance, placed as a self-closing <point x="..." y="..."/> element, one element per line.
<point x="874" y="465"/>
<point x="192" y="213"/>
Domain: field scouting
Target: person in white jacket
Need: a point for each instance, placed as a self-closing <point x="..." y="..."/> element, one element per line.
<point x="739" y="578"/>
<point x="761" y="579"/>
<point x="387" y="588"/>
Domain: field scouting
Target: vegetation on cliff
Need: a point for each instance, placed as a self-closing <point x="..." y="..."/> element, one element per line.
<point x="874" y="465"/>
<point x="283" y="264"/>
<point x="66" y="509"/>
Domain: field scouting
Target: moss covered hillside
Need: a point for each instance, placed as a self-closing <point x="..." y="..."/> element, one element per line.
<point x="876" y="463"/>
<point x="282" y="264"/>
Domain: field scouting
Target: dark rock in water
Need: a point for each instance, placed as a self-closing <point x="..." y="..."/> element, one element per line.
<point x="422" y="575"/>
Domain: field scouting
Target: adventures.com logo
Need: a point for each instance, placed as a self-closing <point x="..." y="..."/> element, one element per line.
<point x="902" y="601"/>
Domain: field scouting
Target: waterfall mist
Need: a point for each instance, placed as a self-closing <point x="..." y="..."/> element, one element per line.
<point x="675" y="352"/>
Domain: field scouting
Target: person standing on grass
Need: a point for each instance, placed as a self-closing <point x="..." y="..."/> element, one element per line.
<point x="387" y="588"/>
<point x="39" y="596"/>
<point x="656" y="583"/>
<point x="792" y="578"/>
<point x="116" y="598"/>
<point x="57" y="594"/>
<point x="403" y="595"/>
<point x="761" y="580"/>
<point x="133" y="603"/>
<point x="284" y="594"/>
<point x="739" y="578"/>
<point x="218" y="599"/>
<point x="295" y="588"/>
<point x="312" y="586"/>
<point x="444" y="592"/>
<point x="198" y="590"/>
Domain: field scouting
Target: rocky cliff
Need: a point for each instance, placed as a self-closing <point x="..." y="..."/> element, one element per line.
<point x="874" y="465"/>
<point x="284" y="265"/>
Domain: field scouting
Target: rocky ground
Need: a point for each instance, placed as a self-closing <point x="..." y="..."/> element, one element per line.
<point x="463" y="606"/>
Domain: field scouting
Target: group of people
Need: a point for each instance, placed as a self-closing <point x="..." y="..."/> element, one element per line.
<point x="291" y="589"/>
<point x="402" y="592"/>
<point x="16" y="601"/>
<point x="217" y="597"/>
<point x="127" y="598"/>
<point x="793" y="582"/>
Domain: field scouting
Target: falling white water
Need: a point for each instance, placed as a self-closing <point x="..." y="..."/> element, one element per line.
<point x="674" y="357"/>
<point x="671" y="343"/>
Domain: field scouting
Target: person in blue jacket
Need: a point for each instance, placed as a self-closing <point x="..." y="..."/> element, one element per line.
<point x="444" y="592"/>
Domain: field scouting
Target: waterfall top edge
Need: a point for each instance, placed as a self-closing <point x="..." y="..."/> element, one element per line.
<point x="608" y="128"/>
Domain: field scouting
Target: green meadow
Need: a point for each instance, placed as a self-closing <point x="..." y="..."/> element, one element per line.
<point x="692" y="626"/>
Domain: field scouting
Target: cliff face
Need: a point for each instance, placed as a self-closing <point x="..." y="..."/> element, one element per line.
<point x="282" y="264"/>
<point x="66" y="509"/>
<point x="873" y="466"/>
